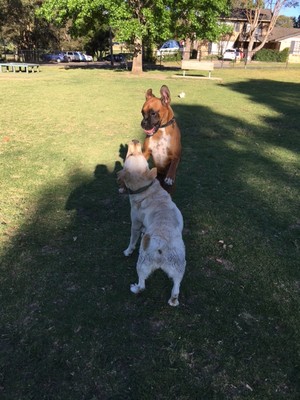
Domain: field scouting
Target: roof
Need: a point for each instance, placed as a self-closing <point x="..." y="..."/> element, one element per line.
<point x="279" y="33"/>
<point x="240" y="14"/>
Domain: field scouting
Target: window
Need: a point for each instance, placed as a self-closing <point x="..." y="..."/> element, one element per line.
<point x="258" y="32"/>
<point x="236" y="26"/>
<point x="246" y="28"/>
<point x="295" y="47"/>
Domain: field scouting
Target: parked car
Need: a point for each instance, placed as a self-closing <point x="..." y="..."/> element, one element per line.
<point x="77" y="56"/>
<point x="169" y="47"/>
<point x="57" y="56"/>
<point x="121" y="57"/>
<point x="81" y="56"/>
<point x="72" y="56"/>
<point x="232" y="54"/>
<point x="87" y="57"/>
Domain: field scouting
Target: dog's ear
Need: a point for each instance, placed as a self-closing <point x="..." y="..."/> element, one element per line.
<point x="165" y="95"/>
<point x="149" y="94"/>
<point x="153" y="173"/>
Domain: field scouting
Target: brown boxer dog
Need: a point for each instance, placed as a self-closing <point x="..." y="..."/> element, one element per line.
<point x="163" y="139"/>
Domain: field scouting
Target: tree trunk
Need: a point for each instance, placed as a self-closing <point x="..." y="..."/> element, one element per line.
<point x="250" y="48"/>
<point x="137" y="63"/>
<point x="187" y="49"/>
<point x="253" y="17"/>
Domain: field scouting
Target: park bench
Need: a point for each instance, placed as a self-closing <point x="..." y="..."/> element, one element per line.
<point x="18" y="67"/>
<point x="196" y="65"/>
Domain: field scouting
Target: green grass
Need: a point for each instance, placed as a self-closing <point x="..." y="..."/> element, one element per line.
<point x="69" y="327"/>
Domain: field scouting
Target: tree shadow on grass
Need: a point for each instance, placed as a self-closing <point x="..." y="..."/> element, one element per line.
<point x="282" y="97"/>
<point x="241" y="197"/>
<point x="72" y="330"/>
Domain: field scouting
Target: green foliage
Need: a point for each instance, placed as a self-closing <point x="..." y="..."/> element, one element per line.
<point x="20" y="27"/>
<point x="170" y="57"/>
<point x="296" y="22"/>
<point x="266" y="55"/>
<point x="272" y="55"/>
<point x="97" y="41"/>
<point x="199" y="18"/>
<point x="284" y="55"/>
<point x="136" y="20"/>
<point x="284" y="22"/>
<point x="158" y="19"/>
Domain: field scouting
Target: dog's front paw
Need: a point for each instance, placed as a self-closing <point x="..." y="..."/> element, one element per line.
<point x="169" y="181"/>
<point x="173" y="301"/>
<point x="128" y="252"/>
<point x="135" y="288"/>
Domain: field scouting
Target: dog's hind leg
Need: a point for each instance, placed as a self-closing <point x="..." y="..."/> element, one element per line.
<point x="143" y="272"/>
<point x="173" y="300"/>
<point x="177" y="278"/>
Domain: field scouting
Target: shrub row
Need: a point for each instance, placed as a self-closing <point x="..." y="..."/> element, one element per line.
<point x="272" y="55"/>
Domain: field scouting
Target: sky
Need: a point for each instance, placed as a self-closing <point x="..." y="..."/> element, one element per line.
<point x="291" y="11"/>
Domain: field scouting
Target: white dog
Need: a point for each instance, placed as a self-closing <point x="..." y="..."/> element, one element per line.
<point x="154" y="215"/>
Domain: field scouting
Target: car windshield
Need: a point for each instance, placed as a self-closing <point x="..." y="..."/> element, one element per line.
<point x="170" y="44"/>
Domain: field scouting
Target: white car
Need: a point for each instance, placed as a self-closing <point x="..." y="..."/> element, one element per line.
<point x="169" y="47"/>
<point x="87" y="57"/>
<point x="231" y="54"/>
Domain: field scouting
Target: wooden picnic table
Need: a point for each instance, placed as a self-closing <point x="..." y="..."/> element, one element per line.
<point x="19" y="67"/>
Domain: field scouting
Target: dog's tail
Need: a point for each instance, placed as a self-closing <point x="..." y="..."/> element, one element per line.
<point x="161" y="249"/>
<point x="154" y="245"/>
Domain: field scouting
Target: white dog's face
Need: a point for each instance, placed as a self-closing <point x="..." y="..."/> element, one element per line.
<point x="136" y="172"/>
<point x="136" y="163"/>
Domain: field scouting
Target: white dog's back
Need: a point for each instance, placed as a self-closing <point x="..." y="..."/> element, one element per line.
<point x="156" y="217"/>
<point x="161" y="245"/>
<point x="162" y="241"/>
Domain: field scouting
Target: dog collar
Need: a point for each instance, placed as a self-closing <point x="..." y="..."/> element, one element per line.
<point x="140" y="190"/>
<point x="168" y="123"/>
<point x="172" y="120"/>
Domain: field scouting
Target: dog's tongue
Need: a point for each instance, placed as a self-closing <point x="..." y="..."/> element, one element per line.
<point x="149" y="132"/>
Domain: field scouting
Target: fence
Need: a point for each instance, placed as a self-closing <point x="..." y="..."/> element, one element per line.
<point x="28" y="56"/>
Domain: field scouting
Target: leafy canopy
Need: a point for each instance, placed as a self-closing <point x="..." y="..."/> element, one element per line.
<point x="130" y="19"/>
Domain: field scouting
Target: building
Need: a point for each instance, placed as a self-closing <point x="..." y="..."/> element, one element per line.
<point x="279" y="39"/>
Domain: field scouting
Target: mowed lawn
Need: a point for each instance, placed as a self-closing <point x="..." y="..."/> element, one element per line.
<point x="70" y="329"/>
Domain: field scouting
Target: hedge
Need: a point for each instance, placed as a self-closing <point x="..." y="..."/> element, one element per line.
<point x="272" y="55"/>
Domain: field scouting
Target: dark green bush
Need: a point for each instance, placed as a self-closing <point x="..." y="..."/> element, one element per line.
<point x="284" y="55"/>
<point x="265" y="55"/>
<point x="170" y="57"/>
<point x="272" y="55"/>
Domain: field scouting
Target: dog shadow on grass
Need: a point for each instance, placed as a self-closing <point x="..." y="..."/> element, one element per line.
<point x="123" y="151"/>
<point x="89" y="196"/>
<point x="99" y="199"/>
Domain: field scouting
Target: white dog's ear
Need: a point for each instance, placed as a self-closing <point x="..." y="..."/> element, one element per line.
<point x="153" y="173"/>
